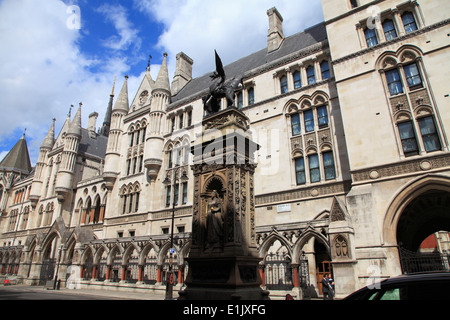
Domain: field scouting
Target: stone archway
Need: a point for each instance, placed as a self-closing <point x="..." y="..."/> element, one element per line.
<point x="424" y="215"/>
<point x="417" y="211"/>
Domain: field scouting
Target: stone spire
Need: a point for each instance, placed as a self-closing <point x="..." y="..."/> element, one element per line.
<point x="107" y="122"/>
<point x="122" y="103"/>
<point x="75" y="126"/>
<point x="17" y="158"/>
<point x="148" y="76"/>
<point x="162" y="81"/>
<point x="49" y="140"/>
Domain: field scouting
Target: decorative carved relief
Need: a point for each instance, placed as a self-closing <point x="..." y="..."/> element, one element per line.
<point x="341" y="246"/>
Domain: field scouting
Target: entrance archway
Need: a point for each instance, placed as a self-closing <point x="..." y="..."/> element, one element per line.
<point x="323" y="263"/>
<point x="421" y="209"/>
<point x="423" y="216"/>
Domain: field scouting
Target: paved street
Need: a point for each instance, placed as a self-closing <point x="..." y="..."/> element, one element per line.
<point x="20" y="292"/>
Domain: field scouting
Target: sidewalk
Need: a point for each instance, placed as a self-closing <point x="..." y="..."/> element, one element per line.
<point x="109" y="294"/>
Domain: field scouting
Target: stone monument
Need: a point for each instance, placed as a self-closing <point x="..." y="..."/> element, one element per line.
<point x="223" y="260"/>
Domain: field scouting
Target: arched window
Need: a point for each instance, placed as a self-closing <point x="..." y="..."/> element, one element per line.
<point x="39" y="217"/>
<point x="415" y="123"/>
<point x="87" y="209"/>
<point x="130" y="197"/>
<point x="49" y="214"/>
<point x="96" y="210"/>
<point x="25" y="215"/>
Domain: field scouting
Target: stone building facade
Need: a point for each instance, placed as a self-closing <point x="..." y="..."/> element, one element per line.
<point x="353" y="169"/>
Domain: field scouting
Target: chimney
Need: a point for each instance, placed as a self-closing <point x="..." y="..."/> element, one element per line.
<point x="275" y="35"/>
<point x="91" y="124"/>
<point x="183" y="72"/>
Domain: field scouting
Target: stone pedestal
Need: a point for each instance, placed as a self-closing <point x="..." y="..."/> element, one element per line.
<point x="223" y="261"/>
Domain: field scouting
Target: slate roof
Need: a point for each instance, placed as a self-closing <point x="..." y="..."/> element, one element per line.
<point x="93" y="146"/>
<point x="18" y="157"/>
<point x="260" y="59"/>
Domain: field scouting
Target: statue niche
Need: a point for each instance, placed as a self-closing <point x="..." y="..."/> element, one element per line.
<point x="214" y="222"/>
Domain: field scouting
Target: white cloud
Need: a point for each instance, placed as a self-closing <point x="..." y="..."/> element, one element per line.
<point x="127" y="35"/>
<point x="43" y="71"/>
<point x="235" y="28"/>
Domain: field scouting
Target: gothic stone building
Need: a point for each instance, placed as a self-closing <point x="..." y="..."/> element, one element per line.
<point x="353" y="173"/>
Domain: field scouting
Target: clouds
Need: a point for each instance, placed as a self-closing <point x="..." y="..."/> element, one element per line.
<point x="44" y="69"/>
<point x="48" y="65"/>
<point x="235" y="28"/>
<point x="127" y="34"/>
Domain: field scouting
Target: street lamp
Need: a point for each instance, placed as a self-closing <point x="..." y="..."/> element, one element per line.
<point x="169" y="279"/>
<point x="57" y="269"/>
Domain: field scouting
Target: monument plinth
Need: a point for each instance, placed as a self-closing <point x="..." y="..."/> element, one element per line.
<point x="223" y="260"/>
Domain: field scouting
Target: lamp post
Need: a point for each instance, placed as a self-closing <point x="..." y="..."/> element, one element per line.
<point x="57" y="269"/>
<point x="169" y="279"/>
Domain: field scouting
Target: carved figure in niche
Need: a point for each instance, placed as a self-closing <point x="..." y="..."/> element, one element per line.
<point x="214" y="221"/>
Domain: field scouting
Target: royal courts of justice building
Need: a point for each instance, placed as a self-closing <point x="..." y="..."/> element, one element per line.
<point x="353" y="171"/>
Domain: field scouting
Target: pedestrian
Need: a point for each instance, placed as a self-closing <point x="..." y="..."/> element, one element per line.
<point x="327" y="287"/>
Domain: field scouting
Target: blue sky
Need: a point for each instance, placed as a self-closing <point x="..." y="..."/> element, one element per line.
<point x="49" y="61"/>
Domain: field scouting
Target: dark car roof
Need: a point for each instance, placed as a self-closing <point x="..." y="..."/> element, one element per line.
<point x="405" y="279"/>
<point x="418" y="277"/>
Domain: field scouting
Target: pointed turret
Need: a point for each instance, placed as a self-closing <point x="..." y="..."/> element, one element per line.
<point x="75" y="126"/>
<point x="18" y="158"/>
<point x="122" y="103"/>
<point x="161" y="96"/>
<point x="46" y="146"/>
<point x="49" y="140"/>
<point x="112" y="156"/>
<point x="64" y="180"/>
<point x="162" y="81"/>
<point x="107" y="122"/>
<point x="148" y="76"/>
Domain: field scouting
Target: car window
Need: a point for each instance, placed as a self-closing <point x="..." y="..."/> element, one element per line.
<point x="373" y="295"/>
<point x="391" y="294"/>
<point x="428" y="290"/>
